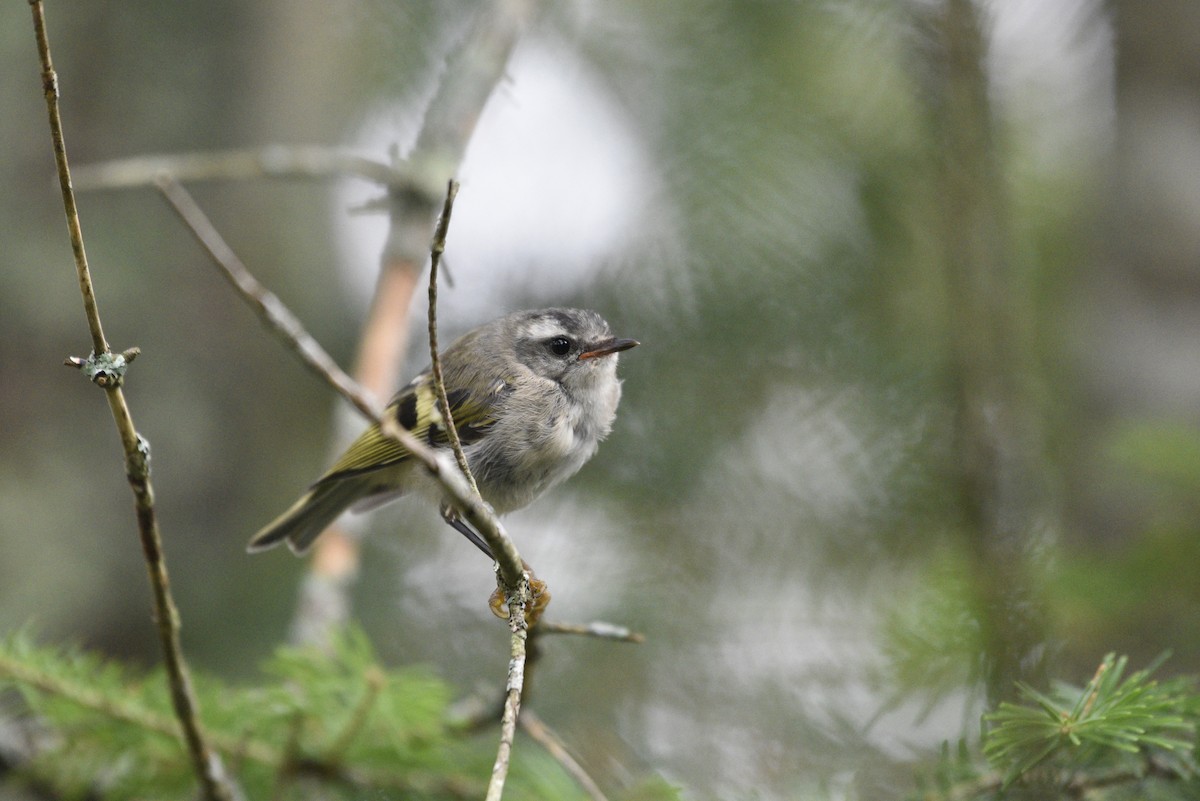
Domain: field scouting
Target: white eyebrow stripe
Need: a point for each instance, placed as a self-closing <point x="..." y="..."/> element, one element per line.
<point x="544" y="329"/>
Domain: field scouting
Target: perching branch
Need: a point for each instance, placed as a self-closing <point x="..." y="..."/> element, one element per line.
<point x="513" y="689"/>
<point x="110" y="368"/>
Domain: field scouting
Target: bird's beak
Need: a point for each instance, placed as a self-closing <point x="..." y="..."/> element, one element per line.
<point x="607" y="347"/>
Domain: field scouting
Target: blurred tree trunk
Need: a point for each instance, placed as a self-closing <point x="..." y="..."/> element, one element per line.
<point x="997" y="444"/>
<point x="1142" y="298"/>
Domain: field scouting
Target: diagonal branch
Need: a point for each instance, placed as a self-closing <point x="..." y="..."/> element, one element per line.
<point x="288" y="328"/>
<point x="109" y="375"/>
<point x="536" y="728"/>
<point x="275" y="315"/>
<point x="74" y="231"/>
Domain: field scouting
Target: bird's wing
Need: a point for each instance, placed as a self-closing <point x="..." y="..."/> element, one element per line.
<point x="415" y="408"/>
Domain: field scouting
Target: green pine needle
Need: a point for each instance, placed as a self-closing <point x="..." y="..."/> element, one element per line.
<point x="1109" y="717"/>
<point x="338" y="721"/>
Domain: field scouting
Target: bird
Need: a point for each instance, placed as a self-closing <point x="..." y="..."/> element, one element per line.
<point x="532" y="394"/>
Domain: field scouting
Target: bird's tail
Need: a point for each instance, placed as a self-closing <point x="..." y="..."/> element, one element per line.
<point x="304" y="521"/>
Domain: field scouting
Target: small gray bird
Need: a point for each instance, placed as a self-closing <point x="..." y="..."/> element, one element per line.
<point x="531" y="394"/>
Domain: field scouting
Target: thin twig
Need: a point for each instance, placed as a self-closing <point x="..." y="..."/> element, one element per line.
<point x="536" y="728"/>
<point x="466" y="503"/>
<point x="275" y="315"/>
<point x="205" y="762"/>
<point x="50" y="89"/>
<point x="598" y="629"/>
<point x="435" y="360"/>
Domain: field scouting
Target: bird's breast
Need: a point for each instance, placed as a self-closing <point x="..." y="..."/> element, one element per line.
<point x="533" y="448"/>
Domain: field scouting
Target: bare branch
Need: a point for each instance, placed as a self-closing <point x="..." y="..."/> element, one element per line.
<point x="205" y="762"/>
<point x="50" y="89"/>
<point x="273" y="161"/>
<point x="516" y="593"/>
<point x="598" y="629"/>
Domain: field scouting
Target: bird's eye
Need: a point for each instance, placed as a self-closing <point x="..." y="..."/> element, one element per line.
<point x="559" y="346"/>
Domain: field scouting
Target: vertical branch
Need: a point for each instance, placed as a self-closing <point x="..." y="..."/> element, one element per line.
<point x="516" y="592"/>
<point x="435" y="360"/>
<point x="74" y="231"/>
<point x="107" y="370"/>
<point x="992" y="428"/>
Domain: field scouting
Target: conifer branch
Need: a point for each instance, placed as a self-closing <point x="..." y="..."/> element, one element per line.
<point x="288" y="760"/>
<point x="375" y="680"/>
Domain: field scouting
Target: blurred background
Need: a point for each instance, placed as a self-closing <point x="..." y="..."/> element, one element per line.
<point x="916" y="414"/>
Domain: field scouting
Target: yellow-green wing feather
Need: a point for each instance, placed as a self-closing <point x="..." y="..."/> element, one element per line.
<point x="416" y="409"/>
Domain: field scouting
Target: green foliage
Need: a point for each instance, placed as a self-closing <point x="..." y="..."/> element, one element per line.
<point x="931" y="636"/>
<point x="1115" y="738"/>
<point x="335" y="721"/>
<point x="956" y="769"/>
<point x="1164" y="455"/>
<point x="1109" y="724"/>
